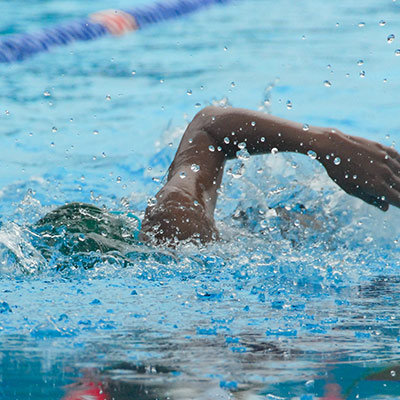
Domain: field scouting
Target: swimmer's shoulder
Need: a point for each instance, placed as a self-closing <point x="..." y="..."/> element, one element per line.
<point x="176" y="217"/>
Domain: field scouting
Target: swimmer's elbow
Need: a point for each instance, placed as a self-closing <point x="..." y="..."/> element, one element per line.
<point x="208" y="113"/>
<point x="207" y="119"/>
<point x="213" y="121"/>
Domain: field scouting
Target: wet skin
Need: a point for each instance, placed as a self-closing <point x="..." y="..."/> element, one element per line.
<point x="184" y="208"/>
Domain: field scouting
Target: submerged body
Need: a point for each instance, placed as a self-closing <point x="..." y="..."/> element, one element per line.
<point x="184" y="207"/>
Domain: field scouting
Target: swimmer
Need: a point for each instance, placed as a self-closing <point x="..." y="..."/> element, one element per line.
<point x="184" y="207"/>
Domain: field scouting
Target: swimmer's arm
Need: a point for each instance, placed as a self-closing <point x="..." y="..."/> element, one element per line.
<point x="185" y="205"/>
<point x="361" y="167"/>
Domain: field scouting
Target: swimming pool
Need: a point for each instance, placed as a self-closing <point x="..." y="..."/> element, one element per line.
<point x="274" y="311"/>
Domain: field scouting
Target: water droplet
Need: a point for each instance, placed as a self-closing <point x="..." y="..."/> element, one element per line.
<point x="197" y="105"/>
<point x="289" y="105"/>
<point x="108" y="97"/>
<point x="243" y="155"/>
<point x="382" y="22"/>
<point x="54" y="129"/>
<point x="162" y="81"/>
<point x="266" y="104"/>
<point x="354" y="176"/>
<point x="52" y="144"/>
<point x="262" y="139"/>
<point x="312" y="154"/>
<point x="360" y="62"/>
<point x="151" y="201"/>
<point x="306" y="127"/>
<point x="237" y="171"/>
<point x="7" y="112"/>
<point x="233" y="84"/>
<point x="119" y="179"/>
<point x="397" y="52"/>
<point x="226" y="140"/>
<point x="337" y="161"/>
<point x="46" y="93"/>
<point x="103" y="154"/>
<point x="195" y="168"/>
<point x="362" y="74"/>
<point x="225" y="48"/>
<point x="182" y="175"/>
<point x="391" y="38"/>
<point x="386" y="157"/>
<point x="327" y="84"/>
<point x="393" y="373"/>
<point x="253" y="123"/>
<point x="361" y="24"/>
<point x="81" y="237"/>
<point x="189" y="92"/>
<point x="242" y="145"/>
<point x="211" y="148"/>
<point x="133" y="73"/>
<point x="303" y="37"/>
<point x="310" y="383"/>
<point x="260" y="171"/>
<point x="95" y="132"/>
<point x="274" y="150"/>
<point x="294" y="164"/>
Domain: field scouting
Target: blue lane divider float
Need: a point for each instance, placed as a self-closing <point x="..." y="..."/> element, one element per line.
<point x="115" y="22"/>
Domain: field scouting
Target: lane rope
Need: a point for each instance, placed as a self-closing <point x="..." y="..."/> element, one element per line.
<point x="18" y="47"/>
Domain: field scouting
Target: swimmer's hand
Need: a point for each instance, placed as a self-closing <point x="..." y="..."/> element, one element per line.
<point x="363" y="168"/>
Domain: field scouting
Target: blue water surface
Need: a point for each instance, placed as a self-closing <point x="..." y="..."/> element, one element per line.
<point x="291" y="304"/>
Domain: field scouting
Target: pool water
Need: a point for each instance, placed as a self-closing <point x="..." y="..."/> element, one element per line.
<point x="300" y="298"/>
